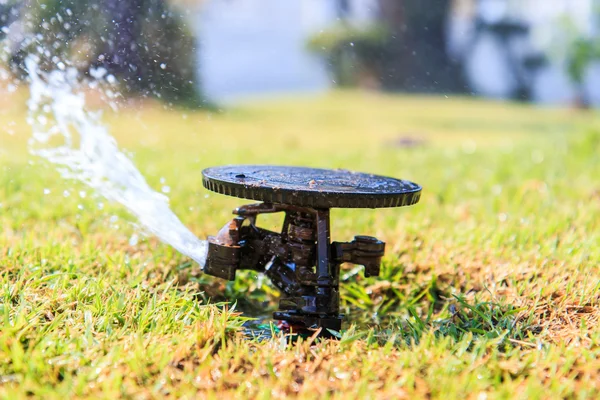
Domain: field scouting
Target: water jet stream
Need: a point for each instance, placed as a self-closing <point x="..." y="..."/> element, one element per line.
<point x="55" y="109"/>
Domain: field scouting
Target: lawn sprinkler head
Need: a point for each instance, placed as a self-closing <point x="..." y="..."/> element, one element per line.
<point x="300" y="260"/>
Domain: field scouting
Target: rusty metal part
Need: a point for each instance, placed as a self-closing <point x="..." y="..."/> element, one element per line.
<point x="300" y="260"/>
<point x="224" y="259"/>
<point x="363" y="250"/>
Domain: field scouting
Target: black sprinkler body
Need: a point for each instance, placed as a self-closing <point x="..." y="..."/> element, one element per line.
<point x="301" y="260"/>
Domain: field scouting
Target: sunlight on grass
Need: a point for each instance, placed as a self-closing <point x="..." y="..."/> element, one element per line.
<point x="490" y="285"/>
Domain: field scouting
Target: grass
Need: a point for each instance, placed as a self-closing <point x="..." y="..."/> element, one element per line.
<point x="490" y="287"/>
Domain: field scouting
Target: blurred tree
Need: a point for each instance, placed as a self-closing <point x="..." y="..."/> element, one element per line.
<point x="583" y="51"/>
<point x="415" y="56"/>
<point x="121" y="51"/>
<point x="353" y="54"/>
<point x="145" y="44"/>
<point x="8" y="13"/>
<point x="523" y="66"/>
<point x="407" y="51"/>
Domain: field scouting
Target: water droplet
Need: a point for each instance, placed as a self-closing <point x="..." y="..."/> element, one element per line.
<point x="47" y="191"/>
<point x="98" y="73"/>
<point x="166" y="189"/>
<point x="133" y="240"/>
<point x="82" y="194"/>
<point x="66" y="193"/>
<point x="163" y="66"/>
<point x="114" y="219"/>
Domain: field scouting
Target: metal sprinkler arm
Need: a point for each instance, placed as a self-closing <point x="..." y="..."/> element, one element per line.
<point x="300" y="260"/>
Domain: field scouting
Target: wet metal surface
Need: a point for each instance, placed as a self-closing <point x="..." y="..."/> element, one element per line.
<point x="311" y="187"/>
<point x="300" y="259"/>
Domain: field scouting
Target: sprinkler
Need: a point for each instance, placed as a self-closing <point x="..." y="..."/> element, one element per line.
<point x="300" y="260"/>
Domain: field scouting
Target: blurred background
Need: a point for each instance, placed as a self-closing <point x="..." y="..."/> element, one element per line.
<point x="202" y="52"/>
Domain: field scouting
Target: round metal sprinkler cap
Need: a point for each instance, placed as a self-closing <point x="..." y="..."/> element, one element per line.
<point x="311" y="187"/>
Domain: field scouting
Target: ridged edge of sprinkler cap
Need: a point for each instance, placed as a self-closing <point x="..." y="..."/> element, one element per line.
<point x="251" y="182"/>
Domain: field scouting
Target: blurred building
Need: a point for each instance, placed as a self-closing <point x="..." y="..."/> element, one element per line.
<point x="258" y="47"/>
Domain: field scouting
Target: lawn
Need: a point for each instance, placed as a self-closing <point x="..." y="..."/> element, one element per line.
<point x="490" y="287"/>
